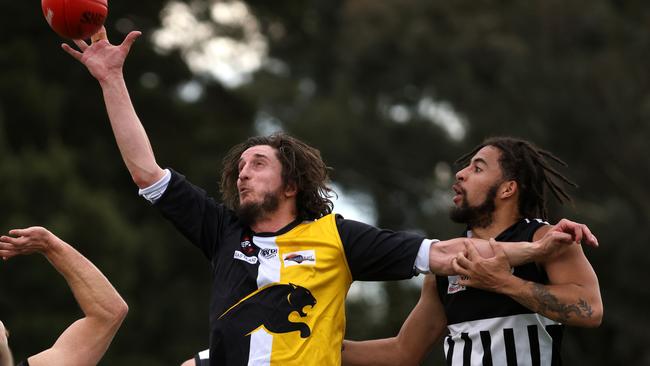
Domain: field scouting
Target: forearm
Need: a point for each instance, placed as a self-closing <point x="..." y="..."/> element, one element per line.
<point x="422" y="328"/>
<point x="377" y="352"/>
<point x="5" y="356"/>
<point x="130" y="135"/>
<point x="5" y="353"/>
<point x="94" y="293"/>
<point x="442" y="253"/>
<point x="570" y="304"/>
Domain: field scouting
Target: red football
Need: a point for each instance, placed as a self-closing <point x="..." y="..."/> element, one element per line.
<point x="75" y="19"/>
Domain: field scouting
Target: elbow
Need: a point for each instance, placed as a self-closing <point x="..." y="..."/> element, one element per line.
<point x="406" y="357"/>
<point x="118" y="312"/>
<point x="596" y="318"/>
<point x="122" y="310"/>
<point x="592" y="318"/>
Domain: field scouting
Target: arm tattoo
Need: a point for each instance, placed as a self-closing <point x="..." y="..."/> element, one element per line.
<point x="546" y="302"/>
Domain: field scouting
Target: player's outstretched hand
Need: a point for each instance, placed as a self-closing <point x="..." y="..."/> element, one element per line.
<point x="34" y="239"/>
<point x="102" y="59"/>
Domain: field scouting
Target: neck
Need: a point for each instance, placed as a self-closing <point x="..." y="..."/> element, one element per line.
<point x="274" y="221"/>
<point x="501" y="220"/>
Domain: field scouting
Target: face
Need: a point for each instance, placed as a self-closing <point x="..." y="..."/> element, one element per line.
<point x="476" y="189"/>
<point x="259" y="182"/>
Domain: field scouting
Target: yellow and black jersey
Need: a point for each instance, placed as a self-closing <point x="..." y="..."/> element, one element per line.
<point x="279" y="298"/>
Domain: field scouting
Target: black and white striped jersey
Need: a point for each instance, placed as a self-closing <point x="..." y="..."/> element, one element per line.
<point x="486" y="328"/>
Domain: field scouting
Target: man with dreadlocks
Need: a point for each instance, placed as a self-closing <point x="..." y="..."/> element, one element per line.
<point x="494" y="314"/>
<point x="281" y="261"/>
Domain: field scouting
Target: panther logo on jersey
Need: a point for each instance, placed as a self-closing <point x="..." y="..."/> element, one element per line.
<point x="270" y="306"/>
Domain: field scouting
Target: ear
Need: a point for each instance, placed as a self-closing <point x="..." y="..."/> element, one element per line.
<point x="508" y="189"/>
<point x="290" y="190"/>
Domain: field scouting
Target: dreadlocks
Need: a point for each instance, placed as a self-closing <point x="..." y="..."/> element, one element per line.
<point x="302" y="165"/>
<point x="530" y="167"/>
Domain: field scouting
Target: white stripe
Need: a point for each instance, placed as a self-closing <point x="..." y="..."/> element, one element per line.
<point x="269" y="269"/>
<point x="518" y="323"/>
<point x="261" y="343"/>
<point x="260" y="351"/>
<point x="204" y="355"/>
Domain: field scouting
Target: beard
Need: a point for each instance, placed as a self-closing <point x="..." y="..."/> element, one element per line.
<point x="475" y="216"/>
<point x="252" y="212"/>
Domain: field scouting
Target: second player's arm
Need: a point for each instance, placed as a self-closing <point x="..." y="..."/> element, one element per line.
<point x="423" y="327"/>
<point x="548" y="242"/>
<point x="86" y="340"/>
<point x="572" y="295"/>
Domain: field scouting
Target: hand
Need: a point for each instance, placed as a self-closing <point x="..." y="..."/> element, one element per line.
<point x="578" y="232"/>
<point x="101" y="58"/>
<point x="26" y="241"/>
<point x="484" y="273"/>
<point x="552" y="244"/>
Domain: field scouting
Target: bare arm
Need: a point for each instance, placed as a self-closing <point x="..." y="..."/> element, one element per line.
<point x="423" y="327"/>
<point x="105" y="62"/>
<point x="549" y="241"/>
<point x="5" y="353"/>
<point x="572" y="296"/>
<point x="87" y="339"/>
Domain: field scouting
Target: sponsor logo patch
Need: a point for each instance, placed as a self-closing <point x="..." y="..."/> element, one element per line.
<point x="303" y="257"/>
<point x="242" y="257"/>
<point x="268" y="253"/>
<point x="454" y="286"/>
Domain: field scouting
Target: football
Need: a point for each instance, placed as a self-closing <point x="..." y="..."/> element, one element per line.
<point x="75" y="19"/>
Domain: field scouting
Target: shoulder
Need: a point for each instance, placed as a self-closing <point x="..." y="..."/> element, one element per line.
<point x="537" y="227"/>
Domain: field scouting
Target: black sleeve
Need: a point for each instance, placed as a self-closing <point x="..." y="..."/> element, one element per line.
<point x="197" y="216"/>
<point x="378" y="255"/>
<point x="23" y="363"/>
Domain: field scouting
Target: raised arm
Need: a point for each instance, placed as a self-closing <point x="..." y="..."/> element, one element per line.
<point x="549" y="241"/>
<point x="423" y="327"/>
<point x="85" y="341"/>
<point x="105" y="62"/>
<point x="572" y="295"/>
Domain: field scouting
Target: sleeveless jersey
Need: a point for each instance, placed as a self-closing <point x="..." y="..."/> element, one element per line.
<point x="486" y="328"/>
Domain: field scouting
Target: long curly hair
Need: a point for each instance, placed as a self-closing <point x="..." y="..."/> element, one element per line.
<point x="302" y="165"/>
<point x="531" y="168"/>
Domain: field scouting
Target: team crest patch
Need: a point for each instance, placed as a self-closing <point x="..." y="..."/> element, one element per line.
<point x="247" y="246"/>
<point x="454" y="286"/>
<point x="303" y="257"/>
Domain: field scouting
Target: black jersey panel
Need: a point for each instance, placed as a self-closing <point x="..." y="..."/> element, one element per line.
<point x="378" y="255"/>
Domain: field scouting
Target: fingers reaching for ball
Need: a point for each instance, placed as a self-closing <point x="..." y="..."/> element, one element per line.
<point x="99" y="36"/>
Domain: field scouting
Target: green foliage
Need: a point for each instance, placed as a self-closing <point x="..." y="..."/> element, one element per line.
<point x="571" y="76"/>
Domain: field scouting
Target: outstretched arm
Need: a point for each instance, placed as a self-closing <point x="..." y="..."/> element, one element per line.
<point x="572" y="296"/>
<point x="549" y="241"/>
<point x="105" y="62"/>
<point x="420" y="331"/>
<point x="86" y="340"/>
<point x="5" y="353"/>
